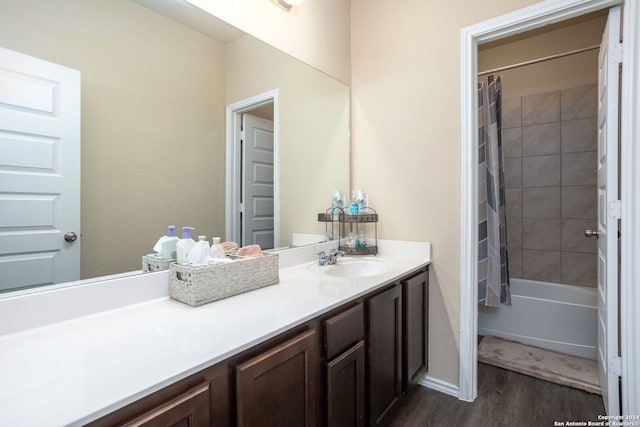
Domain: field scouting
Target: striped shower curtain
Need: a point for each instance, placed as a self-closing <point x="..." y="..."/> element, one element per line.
<point x="493" y="265"/>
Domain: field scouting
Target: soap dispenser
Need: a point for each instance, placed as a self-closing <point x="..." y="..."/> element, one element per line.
<point x="184" y="245"/>
<point x="354" y="206"/>
<point x="168" y="245"/>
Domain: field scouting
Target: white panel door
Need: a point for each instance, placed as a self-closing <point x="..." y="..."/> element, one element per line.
<point x="257" y="182"/>
<point x="608" y="212"/>
<point x="39" y="171"/>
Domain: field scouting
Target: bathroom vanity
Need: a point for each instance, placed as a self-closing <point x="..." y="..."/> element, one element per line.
<point x="319" y="348"/>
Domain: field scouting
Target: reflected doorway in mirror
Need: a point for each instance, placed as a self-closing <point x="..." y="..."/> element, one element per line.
<point x="252" y="194"/>
<point x="257" y="179"/>
<point x="39" y="172"/>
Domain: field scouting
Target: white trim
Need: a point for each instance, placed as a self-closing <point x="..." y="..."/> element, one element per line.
<point x="234" y="112"/>
<point x="630" y="223"/>
<point x="439" y="385"/>
<point x="538" y="15"/>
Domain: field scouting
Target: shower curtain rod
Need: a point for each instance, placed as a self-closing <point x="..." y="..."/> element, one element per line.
<point x="535" y="61"/>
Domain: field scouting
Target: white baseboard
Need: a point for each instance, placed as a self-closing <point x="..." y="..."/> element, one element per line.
<point x="439" y="385"/>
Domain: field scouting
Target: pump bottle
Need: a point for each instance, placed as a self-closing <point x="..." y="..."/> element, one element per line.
<point x="184" y="245"/>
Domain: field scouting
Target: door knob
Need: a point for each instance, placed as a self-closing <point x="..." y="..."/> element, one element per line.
<point x="70" y="236"/>
<point x="591" y="233"/>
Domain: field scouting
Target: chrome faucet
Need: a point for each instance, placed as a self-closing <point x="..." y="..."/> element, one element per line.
<point x="332" y="258"/>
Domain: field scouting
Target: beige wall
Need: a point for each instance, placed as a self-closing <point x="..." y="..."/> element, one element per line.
<point x="316" y="32"/>
<point x="314" y="129"/>
<point x="406" y="137"/>
<point x="152" y="107"/>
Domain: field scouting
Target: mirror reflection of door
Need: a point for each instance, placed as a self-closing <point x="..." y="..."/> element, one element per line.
<point x="257" y="178"/>
<point x="39" y="172"/>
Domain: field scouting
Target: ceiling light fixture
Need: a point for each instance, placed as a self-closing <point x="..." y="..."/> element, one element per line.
<point x="287" y="4"/>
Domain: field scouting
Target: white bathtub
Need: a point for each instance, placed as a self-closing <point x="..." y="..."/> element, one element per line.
<point x="549" y="315"/>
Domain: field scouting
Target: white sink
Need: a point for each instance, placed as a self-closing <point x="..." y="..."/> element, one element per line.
<point x="355" y="267"/>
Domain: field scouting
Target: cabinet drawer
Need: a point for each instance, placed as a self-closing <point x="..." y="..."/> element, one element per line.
<point x="343" y="331"/>
<point x="188" y="409"/>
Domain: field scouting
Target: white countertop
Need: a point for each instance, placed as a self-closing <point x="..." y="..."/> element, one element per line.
<point x="77" y="370"/>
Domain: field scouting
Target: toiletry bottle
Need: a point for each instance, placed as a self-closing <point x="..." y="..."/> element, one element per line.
<point x="336" y="203"/>
<point x="199" y="254"/>
<point x="353" y="206"/>
<point x="168" y="247"/>
<point x="360" y="200"/>
<point x="361" y="242"/>
<point x="184" y="245"/>
<point x="216" y="252"/>
<point x="351" y="240"/>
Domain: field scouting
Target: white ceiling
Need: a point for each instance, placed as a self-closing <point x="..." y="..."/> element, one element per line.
<point x="195" y="18"/>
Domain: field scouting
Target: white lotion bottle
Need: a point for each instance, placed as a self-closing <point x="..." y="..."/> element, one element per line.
<point x="168" y="245"/>
<point x="216" y="252"/>
<point x="183" y="247"/>
<point x="199" y="253"/>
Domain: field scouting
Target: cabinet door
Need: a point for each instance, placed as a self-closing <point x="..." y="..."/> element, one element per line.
<point x="278" y="387"/>
<point x="190" y="409"/>
<point x="345" y="388"/>
<point x="384" y="352"/>
<point x="343" y="330"/>
<point x="416" y="327"/>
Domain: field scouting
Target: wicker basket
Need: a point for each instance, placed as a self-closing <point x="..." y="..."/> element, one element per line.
<point x="151" y="263"/>
<point x="201" y="285"/>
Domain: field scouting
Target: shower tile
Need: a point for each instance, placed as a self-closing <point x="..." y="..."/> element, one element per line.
<point x="512" y="142"/>
<point x="579" y="269"/>
<point x="579" y="135"/>
<point x="541" y="202"/>
<point x="579" y="202"/>
<point x="579" y="168"/>
<point x="545" y="266"/>
<point x="511" y="113"/>
<point x="515" y="263"/>
<point x="573" y="238"/>
<point x="541" y="108"/>
<point x="538" y="140"/>
<point x="541" y="234"/>
<point x="541" y="171"/>
<point x="514" y="233"/>
<point x="513" y="202"/>
<point x="513" y="172"/>
<point x="580" y="102"/>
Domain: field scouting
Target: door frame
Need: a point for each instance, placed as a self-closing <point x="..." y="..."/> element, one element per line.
<point x="536" y="16"/>
<point x="233" y="179"/>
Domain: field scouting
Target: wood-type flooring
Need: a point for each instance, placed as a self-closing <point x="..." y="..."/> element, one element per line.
<point x="505" y="399"/>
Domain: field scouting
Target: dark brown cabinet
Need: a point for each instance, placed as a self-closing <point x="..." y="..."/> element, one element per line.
<point x="279" y="387"/>
<point x="345" y="370"/>
<point x="374" y="348"/>
<point x="189" y="409"/>
<point x="415" y="291"/>
<point x="384" y="341"/>
<point x="345" y="388"/>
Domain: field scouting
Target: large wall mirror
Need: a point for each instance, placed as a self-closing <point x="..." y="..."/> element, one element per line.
<point x="155" y="85"/>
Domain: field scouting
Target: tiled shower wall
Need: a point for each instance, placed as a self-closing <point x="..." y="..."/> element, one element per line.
<point x="549" y="145"/>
